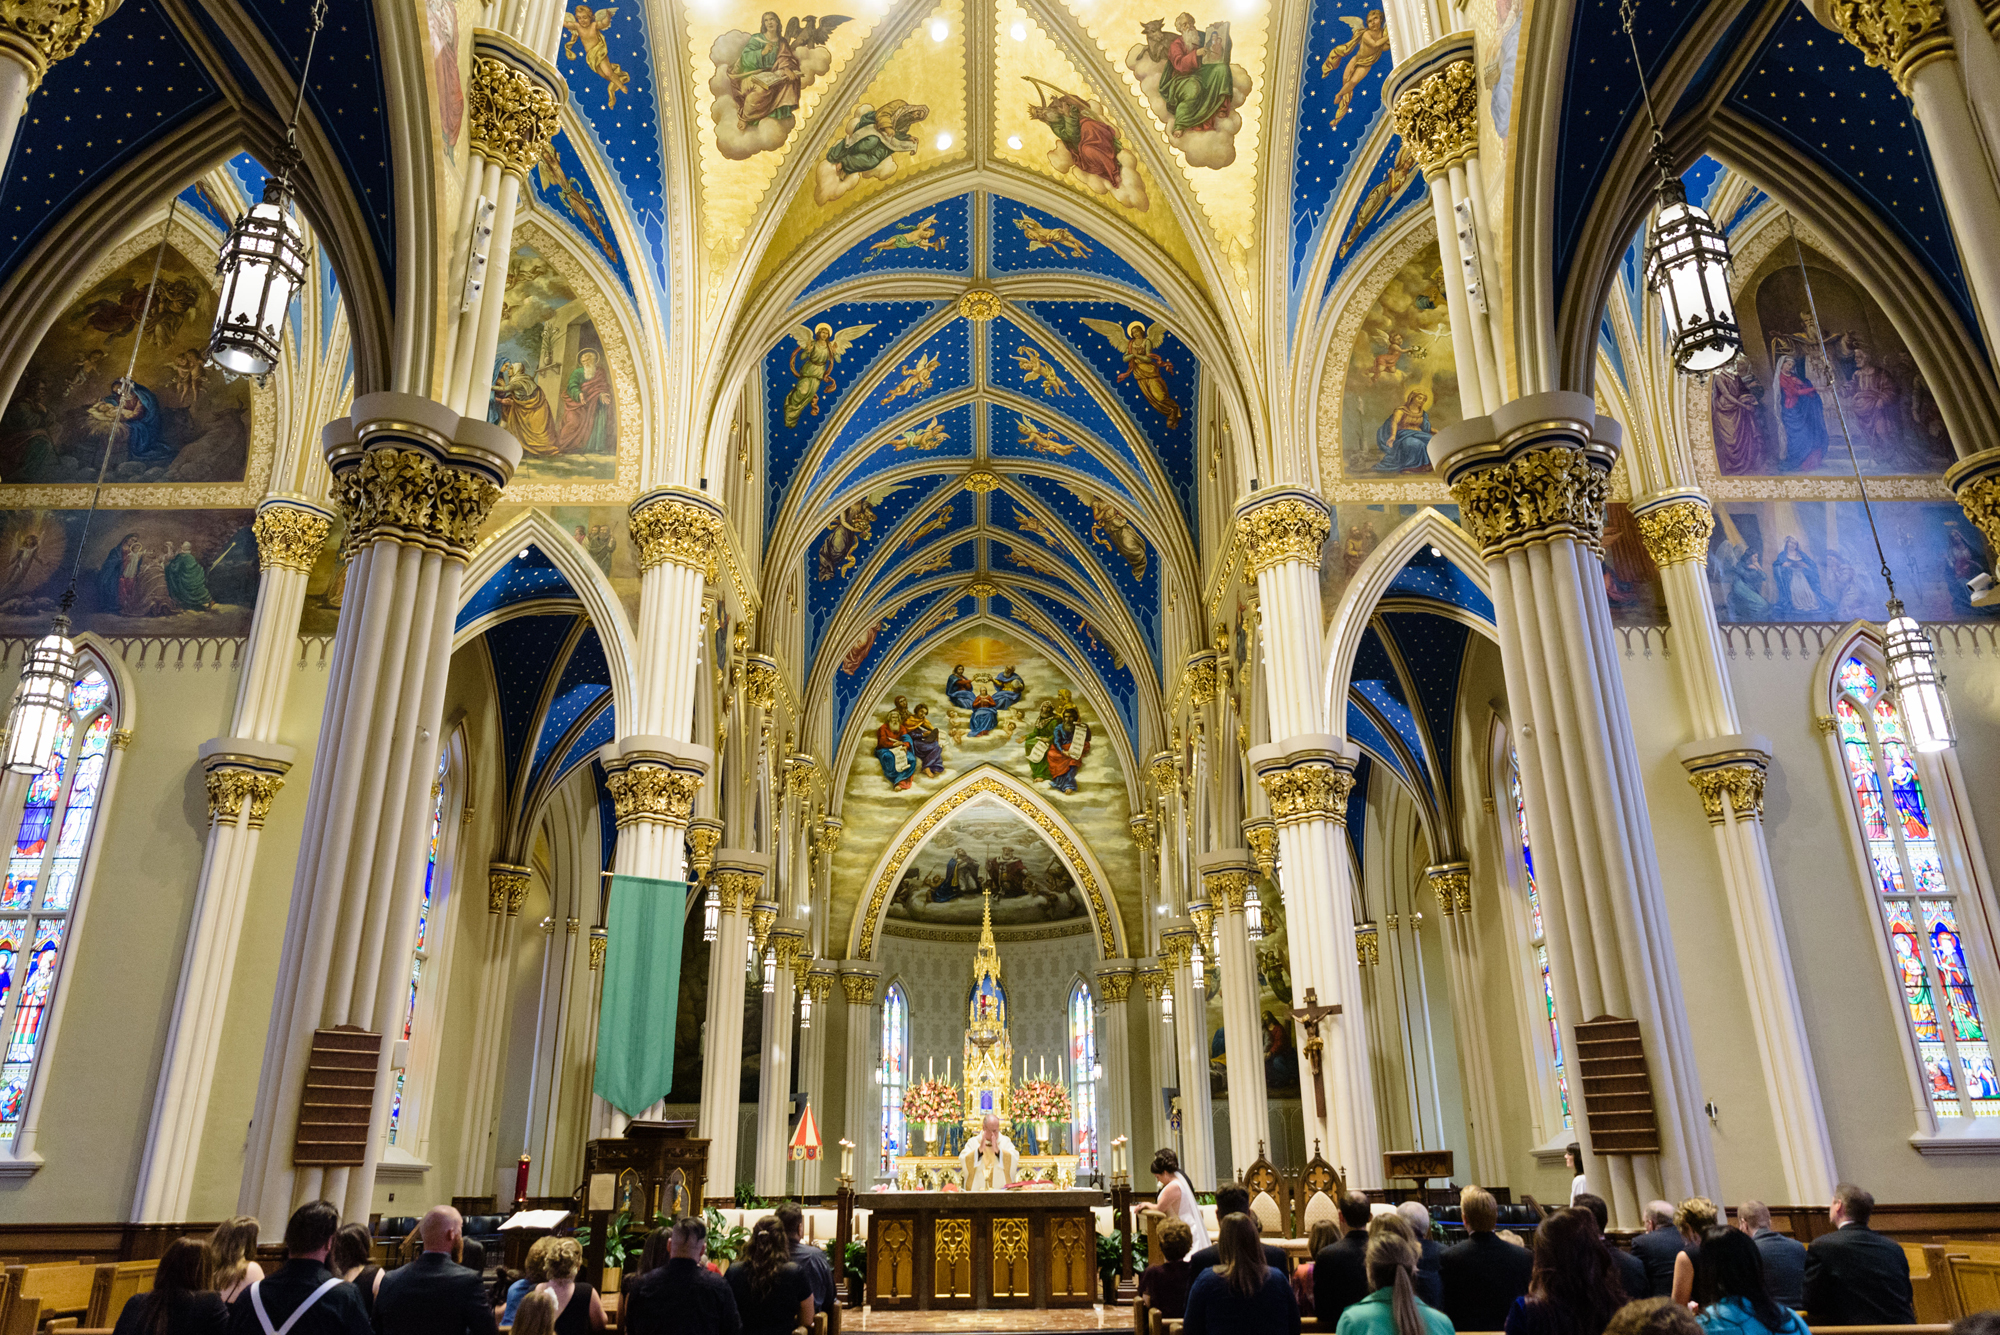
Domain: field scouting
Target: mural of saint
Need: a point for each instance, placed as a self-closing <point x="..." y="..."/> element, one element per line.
<point x="1192" y="86"/>
<point x="1057" y="744"/>
<point x="1801" y="415"/>
<point x="1405" y="436"/>
<point x="1140" y="345"/>
<point x="1111" y="530"/>
<point x="1736" y="413"/>
<point x="1401" y="382"/>
<point x="812" y="362"/>
<point x="986" y="848"/>
<point x="843" y="539"/>
<point x="868" y="150"/>
<point x="892" y="749"/>
<point x="524" y="409"/>
<point x="443" y="19"/>
<point x="586" y="426"/>
<point x="759" y="78"/>
<point x="1088" y="144"/>
<point x="552" y="385"/>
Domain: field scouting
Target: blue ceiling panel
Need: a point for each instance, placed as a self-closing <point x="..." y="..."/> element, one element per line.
<point x="1394" y="186"/>
<point x="1089" y="644"/>
<point x="1433" y="649"/>
<point x="523" y="579"/>
<point x="1330" y="130"/>
<point x="1013" y="434"/>
<point x="944" y="246"/>
<point x="1361" y="730"/>
<point x="906" y="384"/>
<point x="926" y="563"/>
<point x="524" y="652"/>
<point x="847" y="544"/>
<point x="1129" y="560"/>
<point x="620" y="104"/>
<point x="1042" y="371"/>
<point x="908" y="435"/>
<point x="1357" y="830"/>
<point x="566" y="191"/>
<point x="602" y="729"/>
<point x="1025" y="240"/>
<point x="1428" y="576"/>
<point x="565" y="707"/>
<point x="1386" y="699"/>
<point x="877" y="639"/>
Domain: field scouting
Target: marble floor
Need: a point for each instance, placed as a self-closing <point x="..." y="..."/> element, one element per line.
<point x="987" y="1323"/>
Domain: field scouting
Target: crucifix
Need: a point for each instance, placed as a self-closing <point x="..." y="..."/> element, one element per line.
<point x="1309" y="1017"/>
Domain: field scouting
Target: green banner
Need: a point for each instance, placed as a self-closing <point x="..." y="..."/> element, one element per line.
<point x="642" y="992"/>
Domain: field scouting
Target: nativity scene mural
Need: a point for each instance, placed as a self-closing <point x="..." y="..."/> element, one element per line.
<point x="986" y="847"/>
<point x="552" y="384"/>
<point x="1400" y="385"/>
<point x="178" y="419"/>
<point x="759" y="78"/>
<point x="1776" y="410"/>
<point x="1189" y="81"/>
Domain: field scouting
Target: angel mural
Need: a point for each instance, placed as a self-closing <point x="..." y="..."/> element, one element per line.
<point x="1038" y="438"/>
<point x="907" y="236"/>
<point x="1050" y="238"/>
<point x="916" y="377"/>
<point x="550" y="170"/>
<point x="1192" y="86"/>
<point x="588" y="26"/>
<point x="922" y="438"/>
<point x="1088" y="144"/>
<point x="1111" y="530"/>
<point x="868" y="150"/>
<point x="1386" y="191"/>
<point x="843" y="538"/>
<point x="1140" y="345"/>
<point x="1369" y="44"/>
<point x="759" y="78"/>
<point x="811" y="365"/>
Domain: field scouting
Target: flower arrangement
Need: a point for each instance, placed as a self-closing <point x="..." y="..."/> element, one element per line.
<point x="1040" y="1101"/>
<point x="932" y="1101"/>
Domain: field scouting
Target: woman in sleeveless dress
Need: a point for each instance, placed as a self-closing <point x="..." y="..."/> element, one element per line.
<point x="232" y="1251"/>
<point x="578" y="1309"/>
<point x="1176" y="1199"/>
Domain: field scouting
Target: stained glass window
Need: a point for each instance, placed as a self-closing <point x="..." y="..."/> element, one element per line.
<point x="1918" y="904"/>
<point x="1538" y="943"/>
<point x="895" y="1072"/>
<point x="421" y="951"/>
<point x="1082" y="1078"/>
<point x="45" y="868"/>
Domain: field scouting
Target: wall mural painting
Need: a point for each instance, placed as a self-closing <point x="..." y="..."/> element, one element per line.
<point x="552" y="385"/>
<point x="1088" y="145"/>
<point x="1401" y="386"/>
<point x="867" y="152"/>
<point x="1631" y="580"/>
<point x="1353" y="58"/>
<point x="144" y="572"/>
<point x="759" y="76"/>
<point x="583" y="35"/>
<point x="1139" y="344"/>
<point x="178" y="421"/>
<point x="1815" y="560"/>
<point x="986" y="846"/>
<point x="1357" y="531"/>
<point x="1278" y="1041"/>
<point x="443" y="18"/>
<point x="819" y="350"/>
<point x="1776" y="409"/>
<point x="840" y="545"/>
<point x="1189" y="81"/>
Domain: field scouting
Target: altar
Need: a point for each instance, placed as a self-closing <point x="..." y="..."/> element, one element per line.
<point x="935" y="1172"/>
<point x="982" y="1249"/>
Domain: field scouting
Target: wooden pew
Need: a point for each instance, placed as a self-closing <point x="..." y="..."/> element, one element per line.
<point x="1974" y="1281"/>
<point x="39" y="1292"/>
<point x="118" y="1283"/>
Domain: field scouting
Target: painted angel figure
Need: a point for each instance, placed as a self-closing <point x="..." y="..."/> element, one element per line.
<point x="1140" y="343"/>
<point x="1369" y="44"/>
<point x="812" y="363"/>
<point x="1038" y="439"/>
<point x="922" y="236"/>
<point x="588" y="26"/>
<point x="868" y="149"/>
<point x="1039" y="370"/>
<point x="916" y="377"/>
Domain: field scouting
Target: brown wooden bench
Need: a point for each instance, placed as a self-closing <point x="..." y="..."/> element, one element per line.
<point x="38" y="1293"/>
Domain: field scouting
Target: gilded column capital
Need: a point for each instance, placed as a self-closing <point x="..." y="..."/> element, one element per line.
<point x="858" y="988"/>
<point x="1975" y="484"/>
<point x="1177" y="947"/>
<point x="242" y="780"/>
<point x="763" y="917"/>
<point x="289" y="536"/>
<point x="506" y="888"/>
<point x="1438" y="117"/>
<point x="1227" y="889"/>
<point x="1367" y="944"/>
<point x="1166" y="771"/>
<point x="1534" y="497"/>
<point x="1202" y="915"/>
<point x="1153" y="978"/>
<point x="1312" y="789"/>
<point x="408" y="497"/>
<point x="736" y="889"/>
<point x="760" y="680"/>
<point x="1740" y="783"/>
<point x="652" y="794"/>
<point x="1451" y="882"/>
<point x="800" y="770"/>
<point x="1282" y="524"/>
<point x="676" y="527"/>
<point x="1900" y="36"/>
<point x="38" y="33"/>
<point x="1115" y="985"/>
<point x="599" y="942"/>
<point x="513" y="114"/>
<point x="228" y="789"/>
<point x="1144" y="833"/>
<point x="1200" y="676"/>
<point x="704" y="835"/>
<point x="787" y="945"/>
<point x="1676" y="532"/>
<point x="818" y="983"/>
<point x="826" y="835"/>
<point x="1260" y="834"/>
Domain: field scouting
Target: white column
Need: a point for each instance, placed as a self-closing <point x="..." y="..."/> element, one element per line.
<point x="818" y="985"/>
<point x="1225" y="878"/>
<point x="416" y="481"/>
<point x="1191" y="1044"/>
<point x="1451" y="882"/>
<point x="774" y="1084"/>
<point x="1531" y="481"/>
<point x="1114" y="1053"/>
<point x="506" y="892"/>
<point x="739" y="873"/>
<point x="863" y="1096"/>
<point x="1726" y="766"/>
<point x="244" y="772"/>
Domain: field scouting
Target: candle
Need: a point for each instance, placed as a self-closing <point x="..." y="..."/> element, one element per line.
<point x="930" y="1067"/>
<point x="521" y="1181"/>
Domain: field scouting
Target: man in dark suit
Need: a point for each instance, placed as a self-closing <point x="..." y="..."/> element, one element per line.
<point x="1484" y="1274"/>
<point x="1784" y="1258"/>
<point x="302" y="1285"/>
<point x="1855" y="1276"/>
<point x="682" y="1297"/>
<point x="434" y="1295"/>
<point x="1657" y="1247"/>
<point x="1429" y="1284"/>
<point x="1631" y="1270"/>
<point x="1340" y="1271"/>
<point x="1233" y="1198"/>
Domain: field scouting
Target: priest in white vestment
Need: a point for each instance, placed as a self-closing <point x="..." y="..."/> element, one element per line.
<point x="991" y="1161"/>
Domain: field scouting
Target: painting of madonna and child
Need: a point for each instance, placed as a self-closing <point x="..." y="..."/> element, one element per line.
<point x="1777" y="409"/>
<point x="552" y="385"/>
<point x="986" y="847"/>
<point x="176" y="420"/>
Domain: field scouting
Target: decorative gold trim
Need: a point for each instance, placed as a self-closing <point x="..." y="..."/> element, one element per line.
<point x="702" y="838"/>
<point x="979" y="305"/>
<point x="1227" y="889"/>
<point x="736" y="889"/>
<point x="859" y="988"/>
<point x="1314" y="789"/>
<point x="506" y="888"/>
<point x="668" y="529"/>
<point x="1116" y="984"/>
<point x="1051" y="829"/>
<point x="1535" y="497"/>
<point x="513" y="117"/>
<point x="39" y="33"/>
<point x="1288" y="529"/>
<point x="1901" y="36"/>
<point x="1438" y="117"/>
<point x="407" y="497"/>
<point x="1742" y="783"/>
<point x="1452" y="884"/>
<point x="598" y="944"/>
<point x="1367" y="944"/>
<point x="1261" y="836"/>
<point x="652" y="794"/>
<point x="1677" y="533"/>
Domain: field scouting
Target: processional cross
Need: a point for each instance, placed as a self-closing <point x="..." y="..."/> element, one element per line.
<point x="1309" y="1017"/>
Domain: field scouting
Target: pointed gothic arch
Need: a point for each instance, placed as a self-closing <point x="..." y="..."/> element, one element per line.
<point x="923" y="824"/>
<point x="593" y="590"/>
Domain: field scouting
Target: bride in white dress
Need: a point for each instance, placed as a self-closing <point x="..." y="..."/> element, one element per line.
<point x="1176" y="1199"/>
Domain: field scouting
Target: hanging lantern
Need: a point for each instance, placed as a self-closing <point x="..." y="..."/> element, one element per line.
<point x="41" y="701"/>
<point x="1195" y="962"/>
<point x="711" y="915"/>
<point x="1912" y="669"/>
<point x="263" y="264"/>
<point x="770" y="973"/>
<point x="1687" y="264"/>
<point x="1253" y="914"/>
<point x="1166" y="1005"/>
<point x="806" y="1009"/>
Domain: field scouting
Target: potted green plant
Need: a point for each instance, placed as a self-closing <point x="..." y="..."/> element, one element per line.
<point x="854" y="1269"/>
<point x="1109" y="1252"/>
<point x="725" y="1241"/>
<point x="617" y="1248"/>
